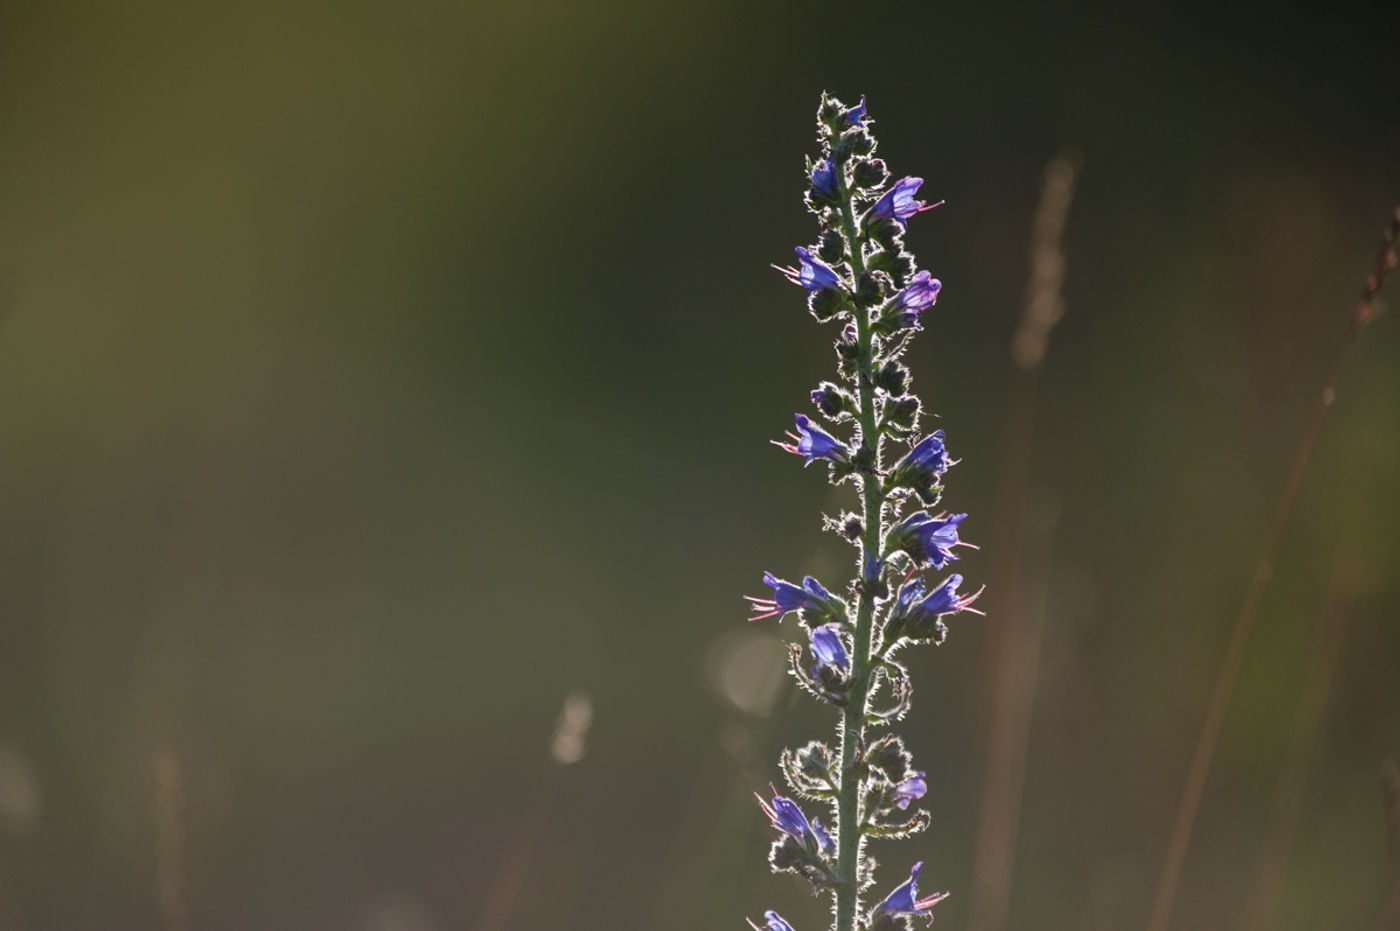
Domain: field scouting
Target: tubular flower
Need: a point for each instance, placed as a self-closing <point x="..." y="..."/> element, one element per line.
<point x="898" y="202"/>
<point x="945" y="600"/>
<point x="856" y="115"/>
<point x="788" y="597"/>
<point x="789" y="819"/>
<point x="812" y="442"/>
<point x="812" y="273"/>
<point x="922" y="466"/>
<point x="824" y="178"/>
<point x="904" y="900"/>
<point x="828" y="649"/>
<point x="910" y="790"/>
<point x="920" y="294"/>
<point x="774" y="922"/>
<point x="929" y="540"/>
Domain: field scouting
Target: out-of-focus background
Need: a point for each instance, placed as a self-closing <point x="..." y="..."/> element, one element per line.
<point x="374" y="377"/>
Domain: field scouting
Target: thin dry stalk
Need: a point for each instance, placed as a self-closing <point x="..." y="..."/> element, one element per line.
<point x="1014" y="645"/>
<point x="1234" y="656"/>
<point x="170" y="840"/>
<point x="1390" y="788"/>
<point x="1326" y="653"/>
<point x="566" y="748"/>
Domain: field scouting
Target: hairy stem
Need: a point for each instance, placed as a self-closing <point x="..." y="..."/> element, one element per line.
<point x="848" y="840"/>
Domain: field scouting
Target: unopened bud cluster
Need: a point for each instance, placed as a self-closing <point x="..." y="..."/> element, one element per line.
<point x="862" y="282"/>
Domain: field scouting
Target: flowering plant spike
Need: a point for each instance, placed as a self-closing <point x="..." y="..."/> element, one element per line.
<point x="860" y="279"/>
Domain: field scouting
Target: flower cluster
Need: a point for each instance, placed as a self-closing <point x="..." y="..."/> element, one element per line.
<point x="859" y="278"/>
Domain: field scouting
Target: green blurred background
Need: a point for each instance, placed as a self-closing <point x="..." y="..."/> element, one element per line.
<point x="373" y="376"/>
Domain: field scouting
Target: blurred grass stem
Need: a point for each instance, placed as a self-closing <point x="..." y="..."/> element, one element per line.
<point x="1326" y="653"/>
<point x="1013" y="643"/>
<point x="1234" y="656"/>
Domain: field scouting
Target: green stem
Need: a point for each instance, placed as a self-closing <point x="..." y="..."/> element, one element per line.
<point x="848" y="836"/>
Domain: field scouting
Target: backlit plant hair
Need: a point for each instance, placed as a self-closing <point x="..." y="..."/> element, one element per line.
<point x="860" y="280"/>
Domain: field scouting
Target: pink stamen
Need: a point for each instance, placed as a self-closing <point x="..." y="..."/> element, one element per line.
<point x="927" y="903"/>
<point x="767" y="606"/>
<point x="931" y="206"/>
<point x="767" y="809"/>
<point x="969" y="599"/>
<point x="791" y="274"/>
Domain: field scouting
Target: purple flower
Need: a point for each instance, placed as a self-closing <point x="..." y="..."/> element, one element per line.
<point x="872" y="568"/>
<point x="945" y="600"/>
<point x="828" y="649"/>
<point x="939" y="535"/>
<point x="929" y="454"/>
<point x="774" y="922"/>
<point x="898" y="203"/>
<point x="789" y="819"/>
<point x="917" y="297"/>
<point x="905" y="900"/>
<point x="824" y="178"/>
<point x="856" y="114"/>
<point x="910" y="790"/>
<point x="789" y="597"/>
<point x="910" y="592"/>
<point x="827" y="844"/>
<point x="812" y="442"/>
<point x="811" y="273"/>
<point x="929" y="540"/>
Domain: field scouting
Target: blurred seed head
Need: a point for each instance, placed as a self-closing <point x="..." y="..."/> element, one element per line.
<point x="571" y="729"/>
<point x="21" y="801"/>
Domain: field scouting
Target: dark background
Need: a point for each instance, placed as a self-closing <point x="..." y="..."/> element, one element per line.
<point x="375" y="375"/>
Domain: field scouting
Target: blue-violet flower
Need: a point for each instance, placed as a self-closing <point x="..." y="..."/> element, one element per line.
<point x="929" y="540"/>
<point x="812" y="442"/>
<point x="856" y="115"/>
<point x="827" y="647"/>
<point x="910" y="790"/>
<point x="945" y="599"/>
<point x="774" y="922"/>
<point x="824" y="178"/>
<point x="898" y="203"/>
<point x="788" y="597"/>
<point x="917" y="297"/>
<point x="928" y="454"/>
<point x="812" y="273"/>
<point x="904" y="900"/>
<point x="789" y="819"/>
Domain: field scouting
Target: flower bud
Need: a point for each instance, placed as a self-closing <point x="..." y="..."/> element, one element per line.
<point x="870" y="173"/>
<point x="926" y="627"/>
<point x="832" y="248"/>
<point x="833" y="400"/>
<point x="886" y="232"/>
<point x="903" y="412"/>
<point x="857" y="141"/>
<point x="892" y="378"/>
<point x="898" y="265"/>
<point x="848" y="343"/>
<point x="815" y="762"/>
<point x="889" y="756"/>
<point x="825" y="304"/>
<point x="868" y="290"/>
<point x="832" y="113"/>
<point x="832" y="680"/>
